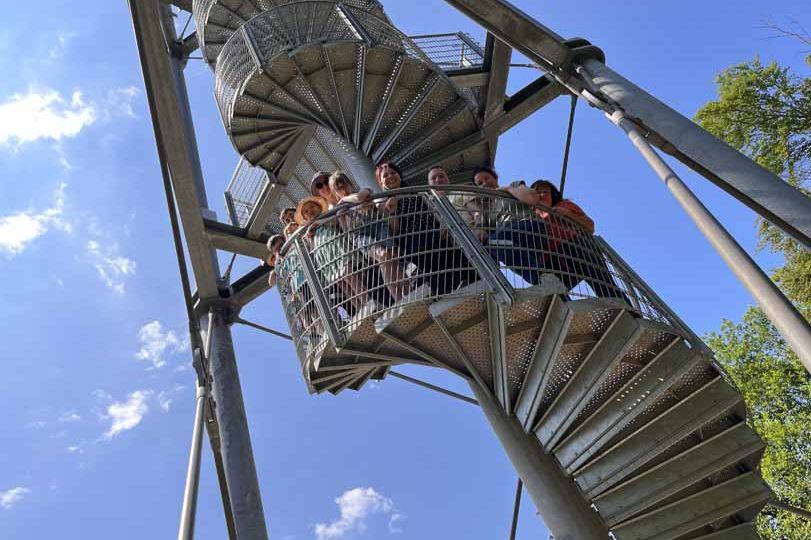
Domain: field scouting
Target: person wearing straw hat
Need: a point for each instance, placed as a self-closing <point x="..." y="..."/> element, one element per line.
<point x="369" y="230"/>
<point x="332" y="252"/>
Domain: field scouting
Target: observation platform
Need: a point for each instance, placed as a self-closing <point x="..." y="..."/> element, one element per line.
<point x="556" y="326"/>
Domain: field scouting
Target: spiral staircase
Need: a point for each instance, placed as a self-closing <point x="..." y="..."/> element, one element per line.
<point x="631" y="406"/>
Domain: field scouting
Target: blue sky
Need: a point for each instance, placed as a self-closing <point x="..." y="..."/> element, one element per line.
<point x="97" y="390"/>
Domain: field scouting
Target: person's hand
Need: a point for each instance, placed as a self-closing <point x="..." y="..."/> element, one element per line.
<point x="482" y="236"/>
<point x="391" y="205"/>
<point x="311" y="231"/>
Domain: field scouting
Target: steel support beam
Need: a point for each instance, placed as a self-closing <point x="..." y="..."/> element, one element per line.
<point x="526" y="101"/>
<point x="433" y="387"/>
<point x="189" y="510"/>
<point x="791" y="324"/>
<point x="185" y="5"/>
<point x="276" y="185"/>
<point x="762" y="191"/>
<point x="499" y="70"/>
<point x="565" y="512"/>
<point x="498" y="61"/>
<point x="174" y="133"/>
<point x="250" y="286"/>
<point x="517" y="29"/>
<point x="232" y="239"/>
<point x="235" y="439"/>
<point x="473" y="79"/>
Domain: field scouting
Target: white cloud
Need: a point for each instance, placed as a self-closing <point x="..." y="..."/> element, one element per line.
<point x="125" y="415"/>
<point x="157" y="342"/>
<point x="112" y="268"/>
<point x="70" y="416"/>
<point x="42" y="113"/>
<point x="12" y="496"/>
<point x="18" y="230"/>
<point x="356" y="505"/>
<point x="164" y="401"/>
<point x="120" y="101"/>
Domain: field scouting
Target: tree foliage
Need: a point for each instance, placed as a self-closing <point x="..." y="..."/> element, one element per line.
<point x="765" y="112"/>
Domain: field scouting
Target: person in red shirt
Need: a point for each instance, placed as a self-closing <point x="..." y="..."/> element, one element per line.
<point x="573" y="256"/>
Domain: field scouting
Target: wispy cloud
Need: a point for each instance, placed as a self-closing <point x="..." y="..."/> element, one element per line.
<point x="18" y="230"/>
<point x="58" y="50"/>
<point x="164" y="401"/>
<point x="126" y="415"/>
<point x="69" y="416"/>
<point x="112" y="268"/>
<point x="356" y="505"/>
<point x="12" y="496"/>
<point x="43" y="113"/>
<point x="119" y="101"/>
<point x="156" y="343"/>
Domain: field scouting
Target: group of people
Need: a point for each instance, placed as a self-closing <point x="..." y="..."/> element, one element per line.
<point x="377" y="250"/>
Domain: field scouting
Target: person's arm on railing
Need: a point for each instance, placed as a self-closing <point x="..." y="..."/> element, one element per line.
<point x="524" y="194"/>
<point x="357" y="198"/>
<point x="390" y="207"/>
<point x="572" y="211"/>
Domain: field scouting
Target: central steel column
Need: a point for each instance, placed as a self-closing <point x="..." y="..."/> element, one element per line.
<point x="235" y="437"/>
<point x="565" y="512"/>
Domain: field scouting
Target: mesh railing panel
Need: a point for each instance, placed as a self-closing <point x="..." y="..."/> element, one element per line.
<point x="243" y="190"/>
<point x="217" y="20"/>
<point x="369" y="257"/>
<point x="451" y="51"/>
<point x="289" y="26"/>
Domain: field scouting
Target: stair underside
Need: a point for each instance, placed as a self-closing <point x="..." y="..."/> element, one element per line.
<point x="650" y="431"/>
<point x="379" y="94"/>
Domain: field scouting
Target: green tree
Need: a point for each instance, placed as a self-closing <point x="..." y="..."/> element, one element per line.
<point x="765" y="112"/>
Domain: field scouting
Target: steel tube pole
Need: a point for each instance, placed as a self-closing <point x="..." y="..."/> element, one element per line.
<point x="189" y="510"/>
<point x="235" y="437"/>
<point x="791" y="324"/>
<point x="759" y="189"/>
<point x="565" y="512"/>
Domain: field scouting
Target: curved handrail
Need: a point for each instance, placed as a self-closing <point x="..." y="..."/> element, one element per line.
<point x="410" y="190"/>
<point x="359" y="262"/>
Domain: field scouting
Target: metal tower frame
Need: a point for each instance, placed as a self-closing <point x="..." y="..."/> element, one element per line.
<point x="215" y="304"/>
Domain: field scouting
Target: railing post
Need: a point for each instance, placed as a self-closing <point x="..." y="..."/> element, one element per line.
<point x="319" y="296"/>
<point x="472" y="248"/>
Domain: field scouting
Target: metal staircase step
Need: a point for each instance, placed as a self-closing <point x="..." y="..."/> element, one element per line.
<point x="609" y="350"/>
<point x="692" y="513"/>
<point x="732" y="446"/>
<point x="625" y="405"/>
<point x="744" y="531"/>
<point x="462" y="320"/>
<point x="553" y="332"/>
<point x="711" y="401"/>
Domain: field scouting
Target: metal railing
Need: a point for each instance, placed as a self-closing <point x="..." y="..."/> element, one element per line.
<point x="451" y="51"/>
<point x="242" y="192"/>
<point x="420" y="243"/>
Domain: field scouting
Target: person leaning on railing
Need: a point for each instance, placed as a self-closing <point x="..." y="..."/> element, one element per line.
<point x="572" y="254"/>
<point x="514" y="235"/>
<point x="368" y="229"/>
<point x="336" y="262"/>
<point x="288" y="275"/>
<point x="420" y="238"/>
